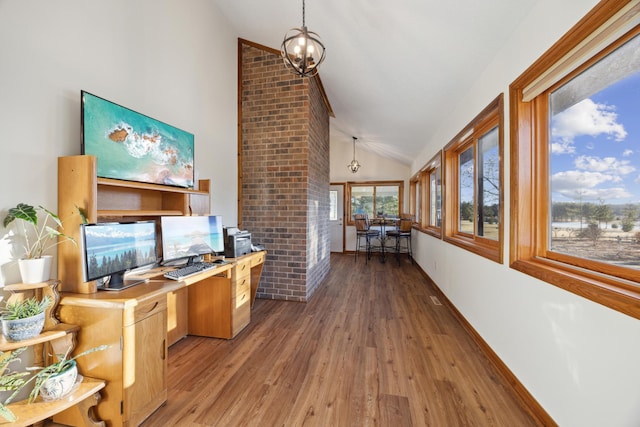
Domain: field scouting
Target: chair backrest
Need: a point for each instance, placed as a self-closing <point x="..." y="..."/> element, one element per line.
<point x="406" y="222"/>
<point x="361" y="222"/>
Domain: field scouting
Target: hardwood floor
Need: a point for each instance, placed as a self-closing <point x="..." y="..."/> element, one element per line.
<point x="369" y="349"/>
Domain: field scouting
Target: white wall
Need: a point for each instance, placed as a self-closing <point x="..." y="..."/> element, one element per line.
<point x="374" y="168"/>
<point x="577" y="358"/>
<point x="159" y="57"/>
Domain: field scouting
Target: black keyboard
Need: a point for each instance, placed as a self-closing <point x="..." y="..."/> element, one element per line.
<point x="189" y="270"/>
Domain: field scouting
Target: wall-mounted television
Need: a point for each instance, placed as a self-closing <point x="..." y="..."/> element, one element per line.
<point x="189" y="237"/>
<point x="133" y="147"/>
<point x="109" y="250"/>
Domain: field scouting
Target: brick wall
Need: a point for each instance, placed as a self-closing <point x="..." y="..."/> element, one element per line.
<point x="284" y="173"/>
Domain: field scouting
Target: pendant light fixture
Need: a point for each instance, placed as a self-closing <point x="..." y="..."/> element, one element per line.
<point x="302" y="50"/>
<point x="354" y="165"/>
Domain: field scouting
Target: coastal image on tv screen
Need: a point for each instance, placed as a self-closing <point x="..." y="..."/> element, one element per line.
<point x="133" y="147"/>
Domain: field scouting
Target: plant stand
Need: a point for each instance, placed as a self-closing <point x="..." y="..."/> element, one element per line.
<point x="56" y="338"/>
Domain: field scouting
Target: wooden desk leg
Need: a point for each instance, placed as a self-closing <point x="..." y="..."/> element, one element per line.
<point x="256" y="272"/>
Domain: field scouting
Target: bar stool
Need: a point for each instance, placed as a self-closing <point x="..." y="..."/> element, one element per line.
<point x="403" y="233"/>
<point x="363" y="230"/>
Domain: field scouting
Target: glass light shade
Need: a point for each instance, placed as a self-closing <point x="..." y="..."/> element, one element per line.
<point x="302" y="51"/>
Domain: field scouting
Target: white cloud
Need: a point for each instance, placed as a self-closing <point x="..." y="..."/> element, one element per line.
<point x="606" y="164"/>
<point x="579" y="180"/>
<point x="627" y="153"/>
<point x="585" y="185"/>
<point x="584" y="118"/>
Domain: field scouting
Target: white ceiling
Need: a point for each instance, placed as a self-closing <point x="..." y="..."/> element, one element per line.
<point x="393" y="69"/>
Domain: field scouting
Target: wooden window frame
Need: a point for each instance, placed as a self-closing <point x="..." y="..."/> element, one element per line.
<point x="492" y="115"/>
<point x="374" y="184"/>
<point x="425" y="208"/>
<point x="529" y="192"/>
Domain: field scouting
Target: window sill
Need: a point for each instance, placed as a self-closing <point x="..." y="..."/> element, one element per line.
<point x="615" y="294"/>
<point x="491" y="252"/>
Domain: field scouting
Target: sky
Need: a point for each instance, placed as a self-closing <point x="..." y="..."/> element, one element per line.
<point x="595" y="147"/>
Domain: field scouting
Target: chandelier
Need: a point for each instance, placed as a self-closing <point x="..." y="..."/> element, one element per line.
<point x="354" y="165"/>
<point x="302" y="50"/>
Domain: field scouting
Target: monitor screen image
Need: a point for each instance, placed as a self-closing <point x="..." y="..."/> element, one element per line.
<point x="112" y="249"/>
<point x="191" y="236"/>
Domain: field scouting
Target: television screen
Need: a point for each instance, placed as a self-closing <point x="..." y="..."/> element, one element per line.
<point x="191" y="236"/>
<point x="133" y="147"/>
<point x="109" y="250"/>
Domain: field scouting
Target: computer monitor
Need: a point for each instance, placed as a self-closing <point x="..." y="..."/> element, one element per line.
<point x="190" y="237"/>
<point x="109" y="250"/>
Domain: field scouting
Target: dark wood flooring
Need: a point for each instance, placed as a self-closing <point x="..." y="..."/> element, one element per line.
<point x="371" y="348"/>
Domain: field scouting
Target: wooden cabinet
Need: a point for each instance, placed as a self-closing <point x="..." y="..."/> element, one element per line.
<point x="134" y="323"/>
<point x="220" y="306"/>
<point x="104" y="199"/>
<point x="55" y="338"/>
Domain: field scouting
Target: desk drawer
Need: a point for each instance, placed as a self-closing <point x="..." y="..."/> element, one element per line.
<point x="149" y="307"/>
<point x="242" y="269"/>
<point x="257" y="258"/>
<point x="243" y="286"/>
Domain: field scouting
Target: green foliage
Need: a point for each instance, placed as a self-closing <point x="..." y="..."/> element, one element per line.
<point x="38" y="236"/>
<point x="10" y="381"/>
<point x="26" y="308"/>
<point x="63" y="363"/>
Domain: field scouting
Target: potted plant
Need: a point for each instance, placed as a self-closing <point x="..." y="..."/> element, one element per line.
<point x="39" y="237"/>
<point x="24" y="319"/>
<point x="58" y="379"/>
<point x="10" y="381"/>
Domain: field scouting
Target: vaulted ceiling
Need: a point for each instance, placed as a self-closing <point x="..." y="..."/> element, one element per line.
<point x="393" y="69"/>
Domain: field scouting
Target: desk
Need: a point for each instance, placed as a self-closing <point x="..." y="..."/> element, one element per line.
<point x="134" y="322"/>
<point x="382" y="224"/>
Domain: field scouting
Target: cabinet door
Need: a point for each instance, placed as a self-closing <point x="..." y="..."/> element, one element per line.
<point x="145" y="387"/>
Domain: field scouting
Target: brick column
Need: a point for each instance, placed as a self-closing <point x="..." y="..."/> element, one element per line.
<point x="284" y="172"/>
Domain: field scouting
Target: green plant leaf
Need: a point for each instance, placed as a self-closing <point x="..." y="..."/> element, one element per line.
<point x="6" y="413"/>
<point x="21" y="211"/>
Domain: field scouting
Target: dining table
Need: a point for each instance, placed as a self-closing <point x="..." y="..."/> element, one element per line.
<point x="384" y="225"/>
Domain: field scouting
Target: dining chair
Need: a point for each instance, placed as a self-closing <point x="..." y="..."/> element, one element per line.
<point x="401" y="234"/>
<point x="364" y="231"/>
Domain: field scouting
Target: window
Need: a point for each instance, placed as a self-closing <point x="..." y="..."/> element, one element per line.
<point x="415" y="201"/>
<point x="333" y="205"/>
<point x="428" y="183"/>
<point x="576" y="162"/>
<point x="474" y="179"/>
<point x="382" y="198"/>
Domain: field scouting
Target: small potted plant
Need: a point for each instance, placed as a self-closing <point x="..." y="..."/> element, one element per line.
<point x="58" y="379"/>
<point x="24" y="319"/>
<point x="10" y="381"/>
<point x="38" y="237"/>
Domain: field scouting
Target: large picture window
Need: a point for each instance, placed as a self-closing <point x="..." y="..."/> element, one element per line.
<point x="474" y="180"/>
<point x="576" y="163"/>
<point x="375" y="199"/>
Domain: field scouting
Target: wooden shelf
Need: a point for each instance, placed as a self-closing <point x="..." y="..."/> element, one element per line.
<point x="58" y="331"/>
<point x="145" y="186"/>
<point x="125" y="213"/>
<point x="31" y="413"/>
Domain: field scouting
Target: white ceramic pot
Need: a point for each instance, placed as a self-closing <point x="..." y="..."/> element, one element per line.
<point x="58" y="386"/>
<point x="23" y="329"/>
<point x="35" y="270"/>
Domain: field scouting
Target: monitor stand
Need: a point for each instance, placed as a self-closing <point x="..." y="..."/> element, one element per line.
<point x="117" y="282"/>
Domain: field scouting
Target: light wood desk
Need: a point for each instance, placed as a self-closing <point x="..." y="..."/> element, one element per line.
<point x="135" y="323"/>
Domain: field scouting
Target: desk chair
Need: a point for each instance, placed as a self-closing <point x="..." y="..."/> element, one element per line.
<point x="403" y="233"/>
<point x="363" y="230"/>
